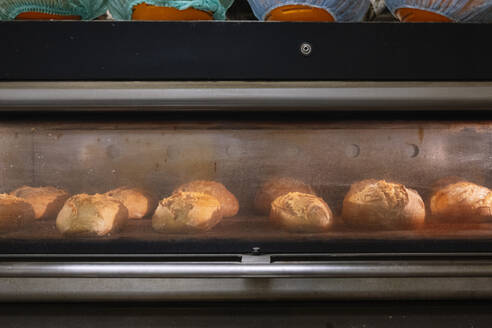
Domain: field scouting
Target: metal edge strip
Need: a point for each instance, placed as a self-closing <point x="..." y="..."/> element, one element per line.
<point x="347" y="269"/>
<point x="368" y="256"/>
<point x="223" y="96"/>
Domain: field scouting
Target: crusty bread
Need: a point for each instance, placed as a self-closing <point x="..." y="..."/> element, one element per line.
<point x="377" y="204"/>
<point x="277" y="187"/>
<point x="88" y="215"/>
<point x="15" y="213"/>
<point x="460" y="202"/>
<point x="187" y="212"/>
<point x="299" y="212"/>
<point x="139" y="203"/>
<point x="228" y="202"/>
<point x="45" y="201"/>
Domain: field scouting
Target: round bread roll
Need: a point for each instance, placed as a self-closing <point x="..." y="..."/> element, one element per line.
<point x="277" y="187"/>
<point x="91" y="215"/>
<point x="15" y="213"/>
<point x="46" y="201"/>
<point x="377" y="204"/>
<point x="461" y="201"/>
<point x="228" y="202"/>
<point x="299" y="212"/>
<point x="138" y="202"/>
<point x="187" y="212"/>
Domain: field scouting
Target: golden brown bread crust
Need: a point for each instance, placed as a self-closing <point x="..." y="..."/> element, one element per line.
<point x="444" y="182"/>
<point x="186" y="212"/>
<point x="138" y="202"/>
<point x="300" y="212"/>
<point x="277" y="187"/>
<point x="15" y="213"/>
<point x="91" y="215"/>
<point x="377" y="204"/>
<point x="45" y="201"/>
<point x="461" y="202"/>
<point x="228" y="202"/>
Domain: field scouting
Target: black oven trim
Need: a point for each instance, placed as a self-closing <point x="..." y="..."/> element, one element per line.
<point x="245" y="51"/>
<point x="233" y="246"/>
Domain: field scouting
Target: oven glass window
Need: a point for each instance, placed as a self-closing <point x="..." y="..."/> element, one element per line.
<point x="231" y="187"/>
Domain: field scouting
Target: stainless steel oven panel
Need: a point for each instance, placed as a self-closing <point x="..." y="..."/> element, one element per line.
<point x="219" y="96"/>
<point x="424" y="277"/>
<point x="209" y="289"/>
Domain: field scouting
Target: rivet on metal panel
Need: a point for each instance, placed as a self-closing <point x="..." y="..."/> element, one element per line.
<point x="353" y="151"/>
<point x="306" y="48"/>
<point x="413" y="150"/>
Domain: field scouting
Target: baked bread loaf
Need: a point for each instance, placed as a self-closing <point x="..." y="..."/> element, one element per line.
<point x="277" y="187"/>
<point x="187" y="212"/>
<point x="91" y="215"/>
<point x="228" y="202"/>
<point x="460" y="202"/>
<point x="138" y="202"/>
<point x="378" y="204"/>
<point x="45" y="201"/>
<point x="299" y="212"/>
<point x="15" y="212"/>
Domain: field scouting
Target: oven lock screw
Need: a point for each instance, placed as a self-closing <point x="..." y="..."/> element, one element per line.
<point x="306" y="49"/>
<point x="256" y="251"/>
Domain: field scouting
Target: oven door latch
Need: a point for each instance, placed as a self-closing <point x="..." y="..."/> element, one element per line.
<point x="251" y="259"/>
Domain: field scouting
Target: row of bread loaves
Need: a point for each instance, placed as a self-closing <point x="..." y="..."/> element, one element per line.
<point x="373" y="204"/>
<point x="26" y="204"/>
<point x="292" y="204"/>
<point x="196" y="206"/>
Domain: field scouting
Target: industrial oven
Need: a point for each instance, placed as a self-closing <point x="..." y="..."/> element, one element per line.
<point x="375" y="127"/>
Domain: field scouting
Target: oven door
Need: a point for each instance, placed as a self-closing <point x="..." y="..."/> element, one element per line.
<point x="89" y="138"/>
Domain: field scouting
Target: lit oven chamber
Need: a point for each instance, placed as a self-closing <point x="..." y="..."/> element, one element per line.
<point x="479" y="11"/>
<point x="52" y="9"/>
<point x="310" y="10"/>
<point x="169" y="10"/>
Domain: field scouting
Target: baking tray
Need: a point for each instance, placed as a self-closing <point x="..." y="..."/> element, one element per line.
<point x="247" y="234"/>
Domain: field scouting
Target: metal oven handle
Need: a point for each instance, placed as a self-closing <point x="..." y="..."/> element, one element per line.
<point x="247" y="270"/>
